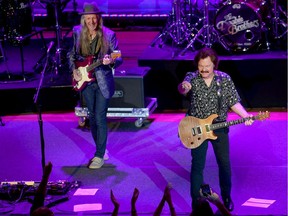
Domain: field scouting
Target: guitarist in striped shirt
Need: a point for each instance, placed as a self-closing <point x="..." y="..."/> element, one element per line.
<point x="211" y="92"/>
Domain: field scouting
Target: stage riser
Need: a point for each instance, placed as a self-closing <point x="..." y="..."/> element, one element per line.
<point x="129" y="90"/>
<point x="51" y="99"/>
<point x="129" y="93"/>
<point x="261" y="83"/>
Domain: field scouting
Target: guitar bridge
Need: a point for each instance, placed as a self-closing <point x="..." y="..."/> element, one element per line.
<point x="196" y="130"/>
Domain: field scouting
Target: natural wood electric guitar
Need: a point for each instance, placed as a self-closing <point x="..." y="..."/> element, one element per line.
<point x="194" y="131"/>
<point x="86" y="69"/>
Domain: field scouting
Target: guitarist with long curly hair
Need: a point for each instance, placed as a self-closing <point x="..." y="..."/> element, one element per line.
<point x="211" y="92"/>
<point x="92" y="62"/>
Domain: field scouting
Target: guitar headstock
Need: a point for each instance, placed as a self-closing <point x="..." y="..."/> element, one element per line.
<point x="263" y="115"/>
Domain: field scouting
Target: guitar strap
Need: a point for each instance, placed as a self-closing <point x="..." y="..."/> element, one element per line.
<point x="218" y="79"/>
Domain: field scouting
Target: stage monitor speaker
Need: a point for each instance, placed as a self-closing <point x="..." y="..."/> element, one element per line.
<point x="129" y="88"/>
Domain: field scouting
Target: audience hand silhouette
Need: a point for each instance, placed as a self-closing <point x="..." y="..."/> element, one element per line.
<point x="166" y="198"/>
<point x="133" y="202"/>
<point x="38" y="207"/>
<point x="116" y="204"/>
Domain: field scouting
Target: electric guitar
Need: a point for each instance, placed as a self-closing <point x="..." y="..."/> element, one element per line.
<point x="194" y="131"/>
<point x="86" y="69"/>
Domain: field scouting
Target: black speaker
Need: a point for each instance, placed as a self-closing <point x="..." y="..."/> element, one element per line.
<point x="129" y="88"/>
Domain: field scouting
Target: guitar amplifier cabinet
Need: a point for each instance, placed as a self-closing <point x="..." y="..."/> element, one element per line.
<point x="128" y="100"/>
<point x="129" y="88"/>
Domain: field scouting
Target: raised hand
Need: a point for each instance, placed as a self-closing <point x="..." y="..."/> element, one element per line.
<point x="116" y="204"/>
<point x="133" y="202"/>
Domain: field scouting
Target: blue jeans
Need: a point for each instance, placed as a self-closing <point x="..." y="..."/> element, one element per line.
<point x="221" y="151"/>
<point x="97" y="107"/>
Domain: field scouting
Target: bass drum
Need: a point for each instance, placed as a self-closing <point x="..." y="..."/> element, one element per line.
<point x="239" y="26"/>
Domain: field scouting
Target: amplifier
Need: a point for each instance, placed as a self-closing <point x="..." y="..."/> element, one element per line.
<point x="14" y="190"/>
<point x="129" y="88"/>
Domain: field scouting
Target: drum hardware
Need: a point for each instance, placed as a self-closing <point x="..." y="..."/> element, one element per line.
<point x="3" y="56"/>
<point x="20" y="41"/>
<point x="278" y="24"/>
<point x="55" y="61"/>
<point x="205" y="34"/>
<point x="75" y="16"/>
<point x="192" y="13"/>
<point x="265" y="31"/>
<point x="38" y="2"/>
<point x="57" y="58"/>
<point x="17" y="18"/>
<point x="18" y="31"/>
<point x="175" y="29"/>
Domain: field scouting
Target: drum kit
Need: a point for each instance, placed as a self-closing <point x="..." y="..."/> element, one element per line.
<point x="236" y="25"/>
<point x="16" y="21"/>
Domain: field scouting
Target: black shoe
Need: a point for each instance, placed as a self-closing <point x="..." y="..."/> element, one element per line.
<point x="228" y="203"/>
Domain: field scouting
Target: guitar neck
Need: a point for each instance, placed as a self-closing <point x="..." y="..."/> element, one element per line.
<point x="230" y="123"/>
<point x="99" y="62"/>
<point x="94" y="65"/>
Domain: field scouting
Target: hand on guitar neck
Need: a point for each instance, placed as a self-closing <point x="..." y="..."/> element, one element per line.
<point x="107" y="60"/>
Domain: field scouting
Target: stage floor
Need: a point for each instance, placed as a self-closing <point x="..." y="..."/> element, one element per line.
<point x="147" y="158"/>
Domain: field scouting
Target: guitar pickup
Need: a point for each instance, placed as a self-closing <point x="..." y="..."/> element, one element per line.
<point x="196" y="130"/>
<point x="207" y="128"/>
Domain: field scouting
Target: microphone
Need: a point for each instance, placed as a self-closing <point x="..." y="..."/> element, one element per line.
<point x="50" y="46"/>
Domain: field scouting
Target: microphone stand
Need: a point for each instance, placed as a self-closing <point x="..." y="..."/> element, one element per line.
<point x="38" y="105"/>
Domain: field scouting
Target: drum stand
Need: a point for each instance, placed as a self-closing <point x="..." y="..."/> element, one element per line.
<point x="3" y="56"/>
<point x="75" y="16"/>
<point x="278" y="22"/>
<point x="17" y="35"/>
<point x="177" y="29"/>
<point x="54" y="61"/>
<point x="20" y="43"/>
<point x="204" y="35"/>
<point x="57" y="60"/>
<point x="20" y="40"/>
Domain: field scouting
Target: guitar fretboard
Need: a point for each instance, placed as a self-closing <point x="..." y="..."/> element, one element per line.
<point x="94" y="65"/>
<point x="230" y="123"/>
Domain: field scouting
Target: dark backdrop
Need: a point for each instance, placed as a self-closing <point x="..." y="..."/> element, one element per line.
<point x="261" y="82"/>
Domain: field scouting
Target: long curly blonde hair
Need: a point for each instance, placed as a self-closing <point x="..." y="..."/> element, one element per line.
<point x="84" y="40"/>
